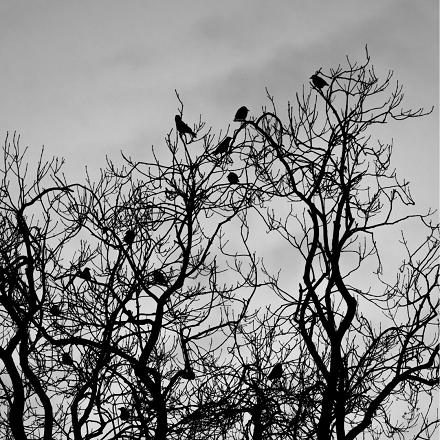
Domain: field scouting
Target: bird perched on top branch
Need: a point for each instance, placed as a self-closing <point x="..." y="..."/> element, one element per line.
<point x="241" y="114"/>
<point x="183" y="128"/>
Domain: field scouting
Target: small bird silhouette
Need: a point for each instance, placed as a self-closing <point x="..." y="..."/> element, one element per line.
<point x="124" y="413"/>
<point x="129" y="237"/>
<point x="241" y="114"/>
<point x="318" y="82"/>
<point x="232" y="178"/>
<point x="188" y="374"/>
<point x="85" y="274"/>
<point x="159" y="278"/>
<point x="182" y="128"/>
<point x="276" y="373"/>
<point x="55" y="310"/>
<point x="66" y="359"/>
<point x="223" y="146"/>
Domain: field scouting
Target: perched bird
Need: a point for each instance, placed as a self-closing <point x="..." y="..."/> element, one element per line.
<point x="223" y="146"/>
<point x="232" y="178"/>
<point x="241" y="114"/>
<point x="55" y="310"/>
<point x="129" y="237"/>
<point x="182" y="128"/>
<point x="159" y="278"/>
<point x="85" y="274"/>
<point x="318" y="82"/>
<point x="66" y="359"/>
<point x="188" y="374"/>
<point x="124" y="413"/>
<point x="276" y="373"/>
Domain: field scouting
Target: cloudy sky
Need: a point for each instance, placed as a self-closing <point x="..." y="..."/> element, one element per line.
<point x="89" y="78"/>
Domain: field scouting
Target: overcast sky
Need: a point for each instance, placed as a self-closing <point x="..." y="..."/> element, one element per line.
<point x="89" y="78"/>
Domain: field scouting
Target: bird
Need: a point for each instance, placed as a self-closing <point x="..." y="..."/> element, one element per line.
<point x="66" y="359"/>
<point x="232" y="178"/>
<point x="188" y="374"/>
<point x="183" y="128"/>
<point x="241" y="114"/>
<point x="276" y="373"/>
<point x="124" y="413"/>
<point x="129" y="237"/>
<point x="85" y="274"/>
<point x="55" y="310"/>
<point x="159" y="278"/>
<point x="318" y="82"/>
<point x="223" y="146"/>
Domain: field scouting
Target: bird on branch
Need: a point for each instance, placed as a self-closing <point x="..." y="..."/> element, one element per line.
<point x="85" y="274"/>
<point x="276" y="373"/>
<point x="55" y="310"/>
<point x="183" y="128"/>
<point x="241" y="114"/>
<point x="159" y="278"/>
<point x="318" y="82"/>
<point x="67" y="359"/>
<point x="224" y="146"/>
<point x="124" y="413"/>
<point x="232" y="178"/>
<point x="129" y="237"/>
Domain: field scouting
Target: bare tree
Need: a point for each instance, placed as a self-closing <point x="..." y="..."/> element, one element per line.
<point x="368" y="348"/>
<point x="131" y="306"/>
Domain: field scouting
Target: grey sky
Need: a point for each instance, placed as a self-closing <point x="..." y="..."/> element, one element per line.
<point x="89" y="78"/>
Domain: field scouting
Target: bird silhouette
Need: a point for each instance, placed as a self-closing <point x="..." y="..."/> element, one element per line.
<point x="318" y="82"/>
<point x="232" y="178"/>
<point x="66" y="359"/>
<point x="55" y="310"/>
<point x="223" y="146"/>
<point x="124" y="413"/>
<point x="276" y="373"/>
<point x="183" y="128"/>
<point x="85" y="274"/>
<point x="188" y="374"/>
<point x="129" y="237"/>
<point x="241" y="114"/>
<point x="159" y="278"/>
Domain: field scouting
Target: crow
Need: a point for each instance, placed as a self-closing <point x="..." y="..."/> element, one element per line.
<point x="241" y="114"/>
<point x="232" y="178"/>
<point x="223" y="146"/>
<point x="85" y="274"/>
<point x="159" y="278"/>
<point x="129" y="237"/>
<point x="182" y="128"/>
<point x="276" y="373"/>
<point x="66" y="359"/>
<point x="188" y="374"/>
<point x="124" y="413"/>
<point x="55" y="310"/>
<point x="318" y="82"/>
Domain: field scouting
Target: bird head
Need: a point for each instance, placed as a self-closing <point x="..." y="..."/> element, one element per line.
<point x="177" y="118"/>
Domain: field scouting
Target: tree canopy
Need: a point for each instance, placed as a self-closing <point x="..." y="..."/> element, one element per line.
<point x="142" y="305"/>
